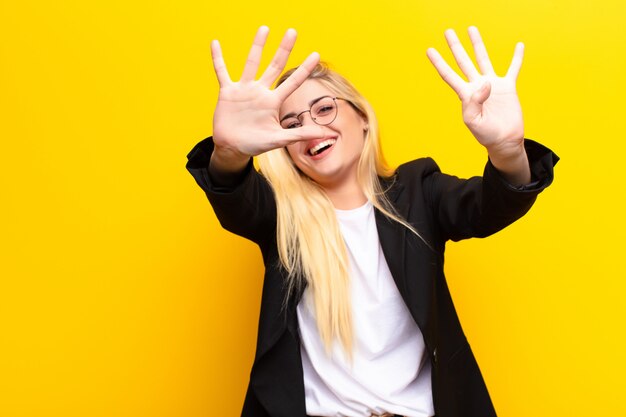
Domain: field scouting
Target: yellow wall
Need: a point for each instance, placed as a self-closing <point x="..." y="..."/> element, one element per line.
<point x="121" y="296"/>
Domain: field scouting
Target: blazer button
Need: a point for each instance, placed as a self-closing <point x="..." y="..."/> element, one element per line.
<point x="435" y="355"/>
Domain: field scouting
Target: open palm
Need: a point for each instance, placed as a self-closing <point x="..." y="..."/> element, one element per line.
<point x="490" y="105"/>
<point x="246" y="119"/>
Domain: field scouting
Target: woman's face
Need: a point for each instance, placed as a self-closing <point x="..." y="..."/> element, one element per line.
<point x="334" y="164"/>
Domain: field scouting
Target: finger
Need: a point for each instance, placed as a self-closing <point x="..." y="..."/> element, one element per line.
<point x="298" y="76"/>
<point x="448" y="74"/>
<point x="516" y="62"/>
<point x="474" y="107"/>
<point x="460" y="55"/>
<point x="280" y="59"/>
<point x="480" y="51"/>
<point x="254" y="56"/>
<point x="219" y="65"/>
<point x="309" y="132"/>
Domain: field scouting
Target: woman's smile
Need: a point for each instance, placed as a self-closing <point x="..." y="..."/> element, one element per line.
<point x="320" y="149"/>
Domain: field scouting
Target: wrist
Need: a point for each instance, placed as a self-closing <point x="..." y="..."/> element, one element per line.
<point x="512" y="163"/>
<point x="227" y="160"/>
<point x="505" y="149"/>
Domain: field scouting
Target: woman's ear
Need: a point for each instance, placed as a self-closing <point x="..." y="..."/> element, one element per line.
<point x="366" y="129"/>
<point x="365" y="123"/>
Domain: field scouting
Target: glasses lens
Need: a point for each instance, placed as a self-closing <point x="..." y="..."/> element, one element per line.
<point x="324" y="111"/>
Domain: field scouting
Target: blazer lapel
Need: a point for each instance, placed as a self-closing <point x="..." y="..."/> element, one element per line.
<point x="392" y="236"/>
<point x="409" y="270"/>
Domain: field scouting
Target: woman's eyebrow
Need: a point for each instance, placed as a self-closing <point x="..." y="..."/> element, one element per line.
<point x="315" y="100"/>
<point x="312" y="102"/>
<point x="287" y="116"/>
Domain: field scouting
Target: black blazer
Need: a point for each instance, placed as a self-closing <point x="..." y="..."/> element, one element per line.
<point x="441" y="208"/>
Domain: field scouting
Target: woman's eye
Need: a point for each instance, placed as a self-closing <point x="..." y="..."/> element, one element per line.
<point x="325" y="109"/>
<point x="291" y="124"/>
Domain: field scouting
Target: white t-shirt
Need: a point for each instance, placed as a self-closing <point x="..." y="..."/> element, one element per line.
<point x="391" y="371"/>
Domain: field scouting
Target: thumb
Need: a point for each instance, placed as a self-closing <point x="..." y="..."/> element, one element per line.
<point x="308" y="132"/>
<point x="474" y="105"/>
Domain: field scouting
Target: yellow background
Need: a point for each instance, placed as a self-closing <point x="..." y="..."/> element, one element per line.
<point x="120" y="295"/>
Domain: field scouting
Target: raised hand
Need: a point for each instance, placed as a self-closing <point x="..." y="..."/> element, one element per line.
<point x="246" y="120"/>
<point x="491" y="108"/>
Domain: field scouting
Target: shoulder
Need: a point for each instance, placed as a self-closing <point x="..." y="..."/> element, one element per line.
<point x="416" y="172"/>
<point x="420" y="166"/>
<point x="410" y="179"/>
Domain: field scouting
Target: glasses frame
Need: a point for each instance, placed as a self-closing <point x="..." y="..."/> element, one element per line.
<point x="314" y="119"/>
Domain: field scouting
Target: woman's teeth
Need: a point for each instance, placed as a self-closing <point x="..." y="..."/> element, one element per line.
<point x="321" y="146"/>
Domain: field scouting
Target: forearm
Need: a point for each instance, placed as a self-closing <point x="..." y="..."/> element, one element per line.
<point x="226" y="167"/>
<point x="512" y="164"/>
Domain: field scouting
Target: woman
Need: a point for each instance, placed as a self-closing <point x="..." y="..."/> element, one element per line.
<point x="356" y="317"/>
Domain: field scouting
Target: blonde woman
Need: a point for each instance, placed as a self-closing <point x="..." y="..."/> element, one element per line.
<point x="356" y="317"/>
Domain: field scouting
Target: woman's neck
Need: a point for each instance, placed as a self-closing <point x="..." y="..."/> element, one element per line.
<point x="346" y="196"/>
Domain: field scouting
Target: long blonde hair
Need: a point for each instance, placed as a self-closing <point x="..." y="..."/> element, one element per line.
<point x="310" y="244"/>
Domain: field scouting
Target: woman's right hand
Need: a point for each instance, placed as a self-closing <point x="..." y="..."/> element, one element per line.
<point x="246" y="120"/>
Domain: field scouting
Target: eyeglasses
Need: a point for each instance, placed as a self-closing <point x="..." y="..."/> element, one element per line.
<point x="323" y="112"/>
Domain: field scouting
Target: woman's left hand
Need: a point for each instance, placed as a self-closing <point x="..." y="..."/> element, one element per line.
<point x="491" y="108"/>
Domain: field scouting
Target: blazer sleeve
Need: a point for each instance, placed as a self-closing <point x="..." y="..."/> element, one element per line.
<point x="480" y="206"/>
<point x="247" y="207"/>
